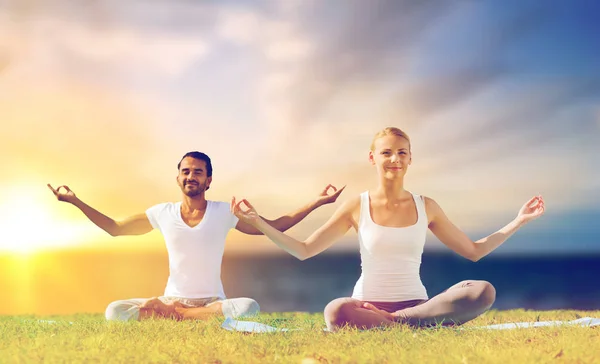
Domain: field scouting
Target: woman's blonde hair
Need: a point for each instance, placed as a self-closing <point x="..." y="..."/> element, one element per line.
<point x="390" y="130"/>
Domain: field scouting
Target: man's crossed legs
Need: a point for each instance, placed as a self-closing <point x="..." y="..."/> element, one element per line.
<point x="180" y="308"/>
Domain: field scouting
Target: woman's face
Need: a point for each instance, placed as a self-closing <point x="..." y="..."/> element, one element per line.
<point x="391" y="156"/>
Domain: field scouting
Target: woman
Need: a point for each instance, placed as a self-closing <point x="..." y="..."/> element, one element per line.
<point x="392" y="224"/>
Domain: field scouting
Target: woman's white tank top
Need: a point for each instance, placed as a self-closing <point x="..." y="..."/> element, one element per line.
<point x="390" y="257"/>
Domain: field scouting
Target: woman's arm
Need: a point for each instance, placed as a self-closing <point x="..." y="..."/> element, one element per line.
<point x="320" y="240"/>
<point x="285" y="222"/>
<point x="459" y="242"/>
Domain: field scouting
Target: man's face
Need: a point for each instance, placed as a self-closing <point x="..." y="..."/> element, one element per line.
<point x="192" y="177"/>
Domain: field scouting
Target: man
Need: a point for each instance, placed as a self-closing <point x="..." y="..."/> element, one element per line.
<point x="194" y="230"/>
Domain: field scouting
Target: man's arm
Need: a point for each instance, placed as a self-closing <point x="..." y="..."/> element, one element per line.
<point x="134" y="225"/>
<point x="320" y="240"/>
<point x="286" y="221"/>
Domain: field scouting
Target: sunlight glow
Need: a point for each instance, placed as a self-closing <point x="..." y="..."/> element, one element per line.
<point x="29" y="224"/>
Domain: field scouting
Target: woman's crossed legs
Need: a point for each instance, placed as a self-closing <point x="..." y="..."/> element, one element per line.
<point x="458" y="304"/>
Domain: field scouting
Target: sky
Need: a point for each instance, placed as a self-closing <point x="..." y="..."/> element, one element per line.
<point x="501" y="101"/>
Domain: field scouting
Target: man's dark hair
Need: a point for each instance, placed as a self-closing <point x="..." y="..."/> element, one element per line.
<point x="200" y="156"/>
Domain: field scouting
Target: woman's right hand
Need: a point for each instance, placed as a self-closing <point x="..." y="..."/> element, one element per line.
<point x="249" y="215"/>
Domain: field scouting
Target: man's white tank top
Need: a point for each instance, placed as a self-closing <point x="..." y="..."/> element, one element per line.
<point x="390" y="257"/>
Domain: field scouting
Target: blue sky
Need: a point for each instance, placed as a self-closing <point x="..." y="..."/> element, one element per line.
<point x="501" y="100"/>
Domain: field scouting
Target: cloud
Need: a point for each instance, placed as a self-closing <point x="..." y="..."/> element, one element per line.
<point x="534" y="112"/>
<point x="4" y="61"/>
<point x="126" y="49"/>
<point x="362" y="45"/>
<point x="274" y="38"/>
<point x="50" y="36"/>
<point x="365" y="46"/>
<point x="239" y="25"/>
<point x="289" y="49"/>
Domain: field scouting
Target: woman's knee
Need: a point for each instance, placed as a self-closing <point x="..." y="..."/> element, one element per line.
<point x="486" y="293"/>
<point x="337" y="312"/>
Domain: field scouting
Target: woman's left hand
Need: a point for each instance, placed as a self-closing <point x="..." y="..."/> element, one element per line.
<point x="387" y="315"/>
<point x="531" y="210"/>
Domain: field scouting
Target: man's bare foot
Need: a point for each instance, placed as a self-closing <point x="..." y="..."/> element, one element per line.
<point x="157" y="308"/>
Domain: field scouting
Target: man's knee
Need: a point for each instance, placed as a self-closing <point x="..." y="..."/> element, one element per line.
<point x="240" y="307"/>
<point x="122" y="311"/>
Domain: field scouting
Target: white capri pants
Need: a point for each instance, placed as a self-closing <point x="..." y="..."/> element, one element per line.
<point x="125" y="310"/>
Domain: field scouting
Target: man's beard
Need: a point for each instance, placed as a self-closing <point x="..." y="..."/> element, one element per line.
<point x="200" y="187"/>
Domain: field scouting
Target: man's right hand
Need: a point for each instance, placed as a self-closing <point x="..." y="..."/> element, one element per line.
<point x="67" y="195"/>
<point x="133" y="225"/>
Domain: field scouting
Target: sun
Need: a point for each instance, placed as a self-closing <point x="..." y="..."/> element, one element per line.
<point x="33" y="221"/>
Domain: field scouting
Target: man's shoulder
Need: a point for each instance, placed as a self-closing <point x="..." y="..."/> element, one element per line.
<point x="165" y="204"/>
<point x="218" y="202"/>
<point x="162" y="206"/>
<point x="220" y="205"/>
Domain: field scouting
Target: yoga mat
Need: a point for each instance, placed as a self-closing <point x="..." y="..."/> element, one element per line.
<point x="249" y="326"/>
<point x="256" y="327"/>
<point x="585" y="321"/>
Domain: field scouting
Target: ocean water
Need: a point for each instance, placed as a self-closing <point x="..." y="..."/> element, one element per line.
<point x="282" y="283"/>
<point x="86" y="282"/>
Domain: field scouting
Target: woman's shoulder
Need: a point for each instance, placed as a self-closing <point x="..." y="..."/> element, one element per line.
<point x="349" y="206"/>
<point x="432" y="209"/>
<point x="429" y="202"/>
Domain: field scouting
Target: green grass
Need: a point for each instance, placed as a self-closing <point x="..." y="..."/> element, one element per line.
<point x="90" y="339"/>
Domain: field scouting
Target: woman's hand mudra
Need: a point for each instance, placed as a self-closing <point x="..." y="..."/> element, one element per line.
<point x="532" y="209"/>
